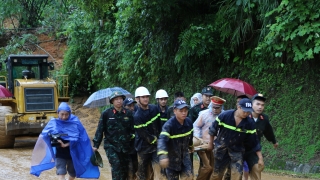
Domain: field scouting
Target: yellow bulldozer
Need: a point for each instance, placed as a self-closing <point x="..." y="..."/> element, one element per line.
<point x="35" y="97"/>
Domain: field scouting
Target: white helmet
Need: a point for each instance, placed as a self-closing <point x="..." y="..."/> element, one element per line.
<point x="142" y="91"/>
<point x="161" y="94"/>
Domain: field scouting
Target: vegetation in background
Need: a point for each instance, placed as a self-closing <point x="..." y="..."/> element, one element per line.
<point x="185" y="45"/>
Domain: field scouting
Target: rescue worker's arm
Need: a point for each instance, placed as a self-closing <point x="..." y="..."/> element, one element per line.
<point x="254" y="143"/>
<point x="132" y="131"/>
<point x="99" y="132"/>
<point x="210" y="144"/>
<point x="260" y="161"/>
<point x="162" y="145"/>
<point x="191" y="147"/>
<point x="141" y="129"/>
<point x="213" y="131"/>
<point x="269" y="134"/>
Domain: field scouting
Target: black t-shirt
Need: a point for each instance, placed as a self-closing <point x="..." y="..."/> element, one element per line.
<point x="63" y="153"/>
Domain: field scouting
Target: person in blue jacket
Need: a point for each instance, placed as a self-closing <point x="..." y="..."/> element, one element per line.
<point x="175" y="143"/>
<point x="70" y="153"/>
<point x="234" y="133"/>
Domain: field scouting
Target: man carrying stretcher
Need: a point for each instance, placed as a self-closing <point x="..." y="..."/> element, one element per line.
<point x="201" y="136"/>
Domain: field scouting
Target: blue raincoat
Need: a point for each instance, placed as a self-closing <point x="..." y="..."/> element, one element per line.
<point x="43" y="157"/>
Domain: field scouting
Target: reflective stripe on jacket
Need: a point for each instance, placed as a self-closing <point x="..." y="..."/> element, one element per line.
<point x="147" y="125"/>
<point x="174" y="142"/>
<point x="234" y="138"/>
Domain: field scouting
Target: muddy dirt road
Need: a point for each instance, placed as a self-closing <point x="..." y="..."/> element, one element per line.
<point x="15" y="163"/>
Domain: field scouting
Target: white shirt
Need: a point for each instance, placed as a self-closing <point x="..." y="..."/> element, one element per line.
<point x="202" y="124"/>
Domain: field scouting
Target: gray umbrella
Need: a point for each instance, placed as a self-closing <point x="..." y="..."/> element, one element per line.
<point x="101" y="97"/>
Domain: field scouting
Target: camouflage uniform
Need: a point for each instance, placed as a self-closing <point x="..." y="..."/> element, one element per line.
<point x="117" y="127"/>
<point x="170" y="113"/>
<point x="195" y="110"/>
<point x="174" y="142"/>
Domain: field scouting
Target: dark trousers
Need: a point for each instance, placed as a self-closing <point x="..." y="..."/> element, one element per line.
<point x="234" y="160"/>
<point x="119" y="164"/>
<point x="191" y="158"/>
<point x="144" y="161"/>
<point x="133" y="166"/>
<point x="184" y="174"/>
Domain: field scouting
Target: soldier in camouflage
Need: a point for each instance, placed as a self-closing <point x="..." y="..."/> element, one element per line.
<point x="206" y="92"/>
<point x="116" y="124"/>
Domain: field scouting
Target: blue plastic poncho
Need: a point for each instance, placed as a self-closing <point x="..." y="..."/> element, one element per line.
<point x="43" y="157"/>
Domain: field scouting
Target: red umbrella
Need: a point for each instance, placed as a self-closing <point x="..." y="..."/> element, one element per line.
<point x="4" y="92"/>
<point x="233" y="86"/>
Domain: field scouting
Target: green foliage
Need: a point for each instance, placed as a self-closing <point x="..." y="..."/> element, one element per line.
<point x="55" y="14"/>
<point x="10" y="11"/>
<point x="295" y="34"/>
<point x="185" y="45"/>
<point x="80" y="44"/>
<point x="33" y="13"/>
<point x="18" y="45"/>
<point x="96" y="8"/>
<point x="292" y="105"/>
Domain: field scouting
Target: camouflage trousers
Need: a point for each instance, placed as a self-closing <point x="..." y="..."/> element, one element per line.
<point x="184" y="174"/>
<point x="234" y="160"/>
<point x="119" y="164"/>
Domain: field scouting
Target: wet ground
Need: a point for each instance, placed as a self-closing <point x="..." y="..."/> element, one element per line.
<point x="15" y="164"/>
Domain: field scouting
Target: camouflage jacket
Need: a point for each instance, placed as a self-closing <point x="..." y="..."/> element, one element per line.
<point x="194" y="111"/>
<point x="117" y="127"/>
<point x="170" y="113"/>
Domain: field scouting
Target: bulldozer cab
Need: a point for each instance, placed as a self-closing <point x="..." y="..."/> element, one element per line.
<point x="26" y="67"/>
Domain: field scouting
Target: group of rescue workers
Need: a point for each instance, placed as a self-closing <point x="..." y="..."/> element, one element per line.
<point x="145" y="141"/>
